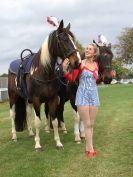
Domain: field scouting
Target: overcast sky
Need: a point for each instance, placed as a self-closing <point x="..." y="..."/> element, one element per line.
<point x="23" y="22"/>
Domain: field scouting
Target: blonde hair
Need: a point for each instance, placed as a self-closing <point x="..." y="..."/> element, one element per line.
<point x="96" y="50"/>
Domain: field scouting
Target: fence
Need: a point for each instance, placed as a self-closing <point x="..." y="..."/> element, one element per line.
<point x="3" y="89"/>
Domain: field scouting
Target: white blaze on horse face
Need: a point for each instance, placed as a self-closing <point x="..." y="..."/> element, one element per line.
<point x="45" y="56"/>
<point x="78" y="55"/>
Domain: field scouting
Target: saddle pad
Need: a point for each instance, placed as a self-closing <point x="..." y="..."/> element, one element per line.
<point x="15" y="65"/>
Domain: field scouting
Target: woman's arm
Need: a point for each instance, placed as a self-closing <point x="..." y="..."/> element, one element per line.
<point x="70" y="76"/>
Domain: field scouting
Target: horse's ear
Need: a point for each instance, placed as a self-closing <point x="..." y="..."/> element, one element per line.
<point x="61" y="25"/>
<point x="68" y="27"/>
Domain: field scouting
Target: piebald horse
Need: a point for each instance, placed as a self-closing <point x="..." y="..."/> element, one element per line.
<point x="42" y="84"/>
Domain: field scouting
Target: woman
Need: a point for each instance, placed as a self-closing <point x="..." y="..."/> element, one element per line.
<point x="87" y="99"/>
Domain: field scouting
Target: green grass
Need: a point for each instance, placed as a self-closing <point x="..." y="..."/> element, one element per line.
<point x="113" y="137"/>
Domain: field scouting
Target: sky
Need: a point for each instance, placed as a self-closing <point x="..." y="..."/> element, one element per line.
<point x="23" y="23"/>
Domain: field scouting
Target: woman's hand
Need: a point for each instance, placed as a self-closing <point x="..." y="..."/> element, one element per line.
<point x="65" y="65"/>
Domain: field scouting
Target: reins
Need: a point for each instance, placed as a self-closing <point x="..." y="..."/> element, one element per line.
<point x="58" y="72"/>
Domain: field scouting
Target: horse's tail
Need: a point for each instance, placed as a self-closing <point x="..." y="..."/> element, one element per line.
<point x="20" y="114"/>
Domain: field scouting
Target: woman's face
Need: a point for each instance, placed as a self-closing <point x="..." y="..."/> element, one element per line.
<point x="89" y="52"/>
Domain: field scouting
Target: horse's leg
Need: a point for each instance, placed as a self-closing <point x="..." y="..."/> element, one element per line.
<point x="63" y="127"/>
<point x="37" y="105"/>
<point x="47" y="119"/>
<point x="76" y="126"/>
<point x="52" y="110"/>
<point x="76" y="120"/>
<point x="18" y="114"/>
<point x="81" y="128"/>
<point x="12" y="115"/>
<point x="17" y="107"/>
<point x="60" y="110"/>
<point x="12" y="100"/>
<point x="29" y="121"/>
<point x="46" y="124"/>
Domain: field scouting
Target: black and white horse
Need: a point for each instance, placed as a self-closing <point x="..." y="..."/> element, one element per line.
<point x="41" y="84"/>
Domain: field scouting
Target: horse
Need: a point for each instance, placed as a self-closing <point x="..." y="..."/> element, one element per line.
<point x="68" y="92"/>
<point x="41" y="83"/>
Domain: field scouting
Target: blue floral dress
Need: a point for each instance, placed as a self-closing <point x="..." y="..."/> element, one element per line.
<point x="87" y="93"/>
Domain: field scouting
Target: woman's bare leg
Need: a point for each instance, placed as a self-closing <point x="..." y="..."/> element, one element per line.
<point x="93" y="112"/>
<point x="84" y="112"/>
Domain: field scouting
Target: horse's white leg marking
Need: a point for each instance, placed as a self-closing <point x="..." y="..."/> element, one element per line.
<point x="12" y="115"/>
<point x="63" y="127"/>
<point x="56" y="133"/>
<point x="82" y="131"/>
<point x="46" y="124"/>
<point x="29" y="121"/>
<point x="37" y="138"/>
<point x="76" y="126"/>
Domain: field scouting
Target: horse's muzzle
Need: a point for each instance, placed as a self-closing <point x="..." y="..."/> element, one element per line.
<point x="77" y="64"/>
<point x="107" y="80"/>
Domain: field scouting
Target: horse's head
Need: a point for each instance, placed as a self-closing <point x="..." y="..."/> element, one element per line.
<point x="61" y="44"/>
<point x="105" y="64"/>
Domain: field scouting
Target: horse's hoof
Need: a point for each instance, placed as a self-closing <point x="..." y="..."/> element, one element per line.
<point x="47" y="131"/>
<point x="60" y="147"/>
<point x="14" y="140"/>
<point x="31" y="136"/>
<point x="78" y="142"/>
<point x="82" y="137"/>
<point x="38" y="149"/>
<point x="65" y="131"/>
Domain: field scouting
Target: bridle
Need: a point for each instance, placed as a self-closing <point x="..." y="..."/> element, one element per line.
<point x="61" y="46"/>
<point x="58" y="70"/>
<point x="59" y="74"/>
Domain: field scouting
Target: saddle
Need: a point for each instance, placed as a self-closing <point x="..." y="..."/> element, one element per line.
<point x="21" y="67"/>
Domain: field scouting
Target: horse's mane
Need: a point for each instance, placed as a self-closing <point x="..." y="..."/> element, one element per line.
<point x="45" y="55"/>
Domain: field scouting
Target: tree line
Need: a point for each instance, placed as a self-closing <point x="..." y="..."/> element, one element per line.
<point x="123" y="52"/>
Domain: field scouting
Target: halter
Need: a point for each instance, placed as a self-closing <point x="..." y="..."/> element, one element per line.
<point x="61" y="46"/>
<point x="58" y="65"/>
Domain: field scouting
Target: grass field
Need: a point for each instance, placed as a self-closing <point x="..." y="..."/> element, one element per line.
<point x="113" y="137"/>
